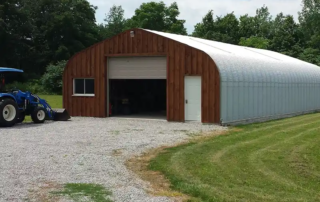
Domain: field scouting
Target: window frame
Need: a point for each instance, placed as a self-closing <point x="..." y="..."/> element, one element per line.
<point x="84" y="86"/>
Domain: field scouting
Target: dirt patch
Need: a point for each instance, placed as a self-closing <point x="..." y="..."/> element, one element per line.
<point x="235" y="129"/>
<point x="209" y="135"/>
<point x="159" y="185"/>
<point x="43" y="193"/>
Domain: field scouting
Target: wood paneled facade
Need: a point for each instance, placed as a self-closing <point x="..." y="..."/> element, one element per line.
<point x="181" y="60"/>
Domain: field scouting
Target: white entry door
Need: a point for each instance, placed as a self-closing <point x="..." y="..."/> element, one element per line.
<point x="192" y="93"/>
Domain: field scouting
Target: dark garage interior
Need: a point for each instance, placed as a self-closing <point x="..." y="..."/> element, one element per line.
<point x="137" y="97"/>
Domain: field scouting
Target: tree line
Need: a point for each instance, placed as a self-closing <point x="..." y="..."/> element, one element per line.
<point x="39" y="36"/>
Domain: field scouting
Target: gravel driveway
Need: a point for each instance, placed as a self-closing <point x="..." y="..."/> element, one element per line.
<point x="82" y="151"/>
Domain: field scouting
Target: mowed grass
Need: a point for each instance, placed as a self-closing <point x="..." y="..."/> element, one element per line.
<point x="273" y="161"/>
<point x="55" y="101"/>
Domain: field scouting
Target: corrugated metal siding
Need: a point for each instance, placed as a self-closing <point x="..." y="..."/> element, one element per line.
<point x="259" y="84"/>
<point x="273" y="90"/>
<point x="137" y="67"/>
<point x="263" y="101"/>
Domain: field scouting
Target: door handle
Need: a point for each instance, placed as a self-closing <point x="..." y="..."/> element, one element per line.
<point x="186" y="101"/>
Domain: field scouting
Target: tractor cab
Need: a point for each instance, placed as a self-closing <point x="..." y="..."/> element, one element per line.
<point x="4" y="74"/>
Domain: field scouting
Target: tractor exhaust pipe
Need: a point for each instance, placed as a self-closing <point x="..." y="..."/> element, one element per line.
<point x="61" y="115"/>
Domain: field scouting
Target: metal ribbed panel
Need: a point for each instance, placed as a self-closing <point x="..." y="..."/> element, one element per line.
<point x="259" y="84"/>
<point x="137" y="68"/>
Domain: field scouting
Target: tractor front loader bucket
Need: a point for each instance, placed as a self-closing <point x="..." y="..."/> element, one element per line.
<point x="61" y="115"/>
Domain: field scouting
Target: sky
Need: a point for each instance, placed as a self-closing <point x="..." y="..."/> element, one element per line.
<point x="194" y="10"/>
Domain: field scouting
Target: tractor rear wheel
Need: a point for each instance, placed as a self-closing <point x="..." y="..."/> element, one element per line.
<point x="38" y="115"/>
<point x="9" y="112"/>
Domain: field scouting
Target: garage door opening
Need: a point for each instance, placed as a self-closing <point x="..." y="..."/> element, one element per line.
<point x="138" y="98"/>
<point x="137" y="86"/>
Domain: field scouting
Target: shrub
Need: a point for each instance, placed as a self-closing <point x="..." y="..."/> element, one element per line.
<point x="33" y="86"/>
<point x="52" y="79"/>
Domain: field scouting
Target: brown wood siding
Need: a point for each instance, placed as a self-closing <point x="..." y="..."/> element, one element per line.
<point x="181" y="60"/>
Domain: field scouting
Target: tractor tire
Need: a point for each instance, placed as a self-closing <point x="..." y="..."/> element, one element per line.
<point x="9" y="113"/>
<point x="38" y="115"/>
<point x="21" y="117"/>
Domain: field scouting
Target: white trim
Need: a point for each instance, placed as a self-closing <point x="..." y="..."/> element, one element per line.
<point x="108" y="90"/>
<point x="84" y="94"/>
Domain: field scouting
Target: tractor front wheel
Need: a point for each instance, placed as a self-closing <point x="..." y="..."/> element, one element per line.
<point x="38" y="115"/>
<point x="9" y="112"/>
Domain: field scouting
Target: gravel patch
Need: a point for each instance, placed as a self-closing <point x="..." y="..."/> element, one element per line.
<point x="84" y="150"/>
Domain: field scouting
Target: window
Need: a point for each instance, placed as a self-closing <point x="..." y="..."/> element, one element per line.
<point x="83" y="87"/>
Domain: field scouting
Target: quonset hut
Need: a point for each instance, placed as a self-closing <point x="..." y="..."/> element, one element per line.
<point x="183" y="78"/>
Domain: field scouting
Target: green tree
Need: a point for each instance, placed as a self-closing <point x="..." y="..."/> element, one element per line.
<point x="287" y="36"/>
<point x="224" y="29"/>
<point x="263" y="23"/>
<point x="14" y="34"/>
<point x="173" y="24"/>
<point x="311" y="55"/>
<point x="259" y="25"/>
<point x="157" y="16"/>
<point x="115" y="22"/>
<point x="205" y="28"/>
<point x="309" y="19"/>
<point x="227" y="29"/>
<point x="255" y="42"/>
<point x="246" y="26"/>
<point x="60" y="28"/>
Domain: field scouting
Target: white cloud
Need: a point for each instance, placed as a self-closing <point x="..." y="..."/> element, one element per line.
<point x="193" y="11"/>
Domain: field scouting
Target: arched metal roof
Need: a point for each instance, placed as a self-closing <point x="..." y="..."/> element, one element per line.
<point x="244" y="64"/>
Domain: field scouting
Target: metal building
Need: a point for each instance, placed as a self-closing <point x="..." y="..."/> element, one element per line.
<point x="204" y="80"/>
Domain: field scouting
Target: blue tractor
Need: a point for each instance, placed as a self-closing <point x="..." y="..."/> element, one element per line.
<point x="15" y="105"/>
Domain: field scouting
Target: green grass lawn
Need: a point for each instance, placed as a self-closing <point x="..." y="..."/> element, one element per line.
<point x="81" y="191"/>
<point x="55" y="101"/>
<point x="273" y="161"/>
